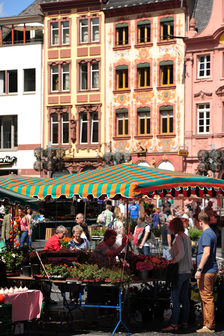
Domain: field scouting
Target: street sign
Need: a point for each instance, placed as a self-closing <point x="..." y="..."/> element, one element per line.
<point x="182" y="152"/>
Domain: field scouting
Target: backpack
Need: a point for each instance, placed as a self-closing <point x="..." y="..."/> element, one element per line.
<point x="139" y="234"/>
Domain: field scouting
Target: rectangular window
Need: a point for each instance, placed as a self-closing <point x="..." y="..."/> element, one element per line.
<point x="84" y="37"/>
<point x="84" y="76"/>
<point x="54" y="129"/>
<point x="204" y="66"/>
<point x="95" y="30"/>
<point x="122" y="35"/>
<point x="143" y="123"/>
<point x="83" y="128"/>
<point x="203" y="118"/>
<point x="166" y="122"/>
<point x="94" y="128"/>
<point x="54" y="78"/>
<point x="12" y="81"/>
<point x="8" y="132"/>
<point x="65" y="32"/>
<point x="166" y="29"/>
<point x="64" y="128"/>
<point x="54" y="33"/>
<point x="65" y="77"/>
<point x="166" y="75"/>
<point x="122" y="124"/>
<point x="29" y="80"/>
<point x="144" y="33"/>
<point x="143" y="76"/>
<point x="122" y="79"/>
<point x="95" y="76"/>
<point x="2" y="82"/>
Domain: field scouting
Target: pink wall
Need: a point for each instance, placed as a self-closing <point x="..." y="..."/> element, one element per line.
<point x="208" y="90"/>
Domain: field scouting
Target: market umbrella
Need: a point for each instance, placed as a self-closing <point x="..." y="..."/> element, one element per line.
<point x="126" y="180"/>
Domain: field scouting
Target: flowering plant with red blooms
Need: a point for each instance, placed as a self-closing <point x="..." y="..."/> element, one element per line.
<point x="144" y="266"/>
<point x="14" y="235"/>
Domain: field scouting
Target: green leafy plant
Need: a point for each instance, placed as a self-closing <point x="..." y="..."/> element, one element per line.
<point x="195" y="233"/>
<point x="13" y="259"/>
<point x="98" y="232"/>
<point x="56" y="270"/>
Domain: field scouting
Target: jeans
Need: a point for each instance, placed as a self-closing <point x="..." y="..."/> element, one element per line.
<point x="145" y="250"/>
<point x="180" y="294"/>
<point x="205" y="286"/>
<point x="23" y="238"/>
<point x="166" y="253"/>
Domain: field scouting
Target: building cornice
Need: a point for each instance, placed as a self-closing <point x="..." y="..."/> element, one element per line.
<point x="21" y="19"/>
<point x="69" y="4"/>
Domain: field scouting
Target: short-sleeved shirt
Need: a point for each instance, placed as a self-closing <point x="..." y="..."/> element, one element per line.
<point x="134" y="210"/>
<point x="208" y="238"/>
<point x="147" y="229"/>
<point x="53" y="243"/>
<point x="82" y="245"/>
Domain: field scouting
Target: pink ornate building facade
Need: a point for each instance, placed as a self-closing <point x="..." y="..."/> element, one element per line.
<point x="204" y="84"/>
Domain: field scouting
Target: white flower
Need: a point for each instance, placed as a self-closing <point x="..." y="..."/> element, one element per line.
<point x="13" y="255"/>
<point x="3" y="260"/>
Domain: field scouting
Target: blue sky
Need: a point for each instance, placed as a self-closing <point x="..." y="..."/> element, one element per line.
<point x="13" y="7"/>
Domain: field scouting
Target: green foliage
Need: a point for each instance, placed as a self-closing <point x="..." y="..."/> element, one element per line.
<point x="195" y="233"/>
<point x="13" y="259"/>
<point x="98" y="232"/>
<point x="56" y="270"/>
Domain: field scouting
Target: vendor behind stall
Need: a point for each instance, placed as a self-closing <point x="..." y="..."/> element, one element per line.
<point x="105" y="253"/>
<point x="53" y="243"/>
<point x="78" y="243"/>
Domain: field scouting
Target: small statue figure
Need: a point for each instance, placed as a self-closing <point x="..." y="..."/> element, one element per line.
<point x="73" y="130"/>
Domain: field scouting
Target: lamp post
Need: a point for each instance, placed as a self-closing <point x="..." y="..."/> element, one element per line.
<point x="50" y="159"/>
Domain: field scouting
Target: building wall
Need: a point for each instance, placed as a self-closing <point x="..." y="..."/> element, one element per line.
<point x="75" y="100"/>
<point x="26" y="106"/>
<point x="200" y="91"/>
<point x="158" y="147"/>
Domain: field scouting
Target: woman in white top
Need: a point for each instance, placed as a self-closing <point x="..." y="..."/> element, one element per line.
<point x="119" y="228"/>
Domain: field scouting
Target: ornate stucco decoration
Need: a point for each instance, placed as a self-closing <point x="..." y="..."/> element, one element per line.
<point x="202" y="93"/>
<point x="220" y="91"/>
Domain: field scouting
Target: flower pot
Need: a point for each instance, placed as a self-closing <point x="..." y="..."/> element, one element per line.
<point x="35" y="269"/>
<point x="144" y="275"/>
<point x="26" y="271"/>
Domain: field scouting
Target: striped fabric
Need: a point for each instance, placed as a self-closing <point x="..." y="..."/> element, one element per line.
<point x="127" y="180"/>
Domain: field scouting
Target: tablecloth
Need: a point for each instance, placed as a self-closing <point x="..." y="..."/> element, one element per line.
<point x="25" y="305"/>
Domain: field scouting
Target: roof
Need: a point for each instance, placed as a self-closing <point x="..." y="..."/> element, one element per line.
<point x="33" y="9"/>
<point x="202" y="13"/>
<point x="113" y="4"/>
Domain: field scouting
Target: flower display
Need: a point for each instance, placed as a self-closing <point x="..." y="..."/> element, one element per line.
<point x="13" y="259"/>
<point x="65" y="241"/>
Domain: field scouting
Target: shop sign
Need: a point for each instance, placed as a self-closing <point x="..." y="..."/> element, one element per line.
<point x="8" y="160"/>
<point x="182" y="152"/>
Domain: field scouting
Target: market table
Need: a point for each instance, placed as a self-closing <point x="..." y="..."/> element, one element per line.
<point x="25" y="305"/>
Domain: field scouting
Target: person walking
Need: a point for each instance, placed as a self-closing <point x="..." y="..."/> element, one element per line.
<point x="181" y="254"/>
<point x="7" y="225"/>
<point x="134" y="214"/>
<point x="206" y="273"/>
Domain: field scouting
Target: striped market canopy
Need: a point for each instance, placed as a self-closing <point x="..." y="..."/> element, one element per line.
<point x="126" y="180"/>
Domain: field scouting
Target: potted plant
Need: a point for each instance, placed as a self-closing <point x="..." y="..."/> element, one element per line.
<point x="13" y="260"/>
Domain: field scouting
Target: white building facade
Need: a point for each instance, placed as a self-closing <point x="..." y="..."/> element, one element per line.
<point x="21" y="93"/>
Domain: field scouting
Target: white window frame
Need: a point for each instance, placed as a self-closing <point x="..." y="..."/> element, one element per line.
<point x="207" y="66"/>
<point x="205" y="108"/>
<point x="81" y="128"/>
<point x="13" y="146"/>
<point x="64" y="73"/>
<point x="81" y="27"/>
<point x="92" y="71"/>
<point x="94" y="121"/>
<point x="54" y="123"/>
<point x="54" y="74"/>
<point x="2" y="82"/>
<point x="64" y="29"/>
<point x="64" y="123"/>
<point x="92" y="31"/>
<point x="52" y="33"/>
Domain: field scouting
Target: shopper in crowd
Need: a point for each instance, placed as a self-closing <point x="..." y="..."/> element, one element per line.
<point x="206" y="273"/>
<point x="167" y="208"/>
<point x="108" y="215"/>
<point x="134" y="214"/>
<point x="155" y="219"/>
<point x="161" y="217"/>
<point x="53" y="243"/>
<point x="185" y="220"/>
<point x="141" y="237"/>
<point x="77" y="242"/>
<point x="25" y="226"/>
<point x="181" y="254"/>
<point x="79" y="219"/>
<point x="123" y="208"/>
<point x="167" y="238"/>
<point x="118" y="226"/>
<point x="6" y="224"/>
<point x="105" y="253"/>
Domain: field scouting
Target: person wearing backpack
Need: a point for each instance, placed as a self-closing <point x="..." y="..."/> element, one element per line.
<point x="141" y="237"/>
